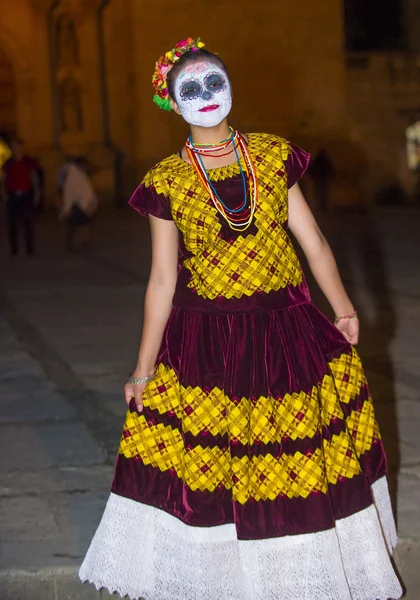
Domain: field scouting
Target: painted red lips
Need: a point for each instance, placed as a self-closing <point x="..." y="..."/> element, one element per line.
<point x="209" y="108"/>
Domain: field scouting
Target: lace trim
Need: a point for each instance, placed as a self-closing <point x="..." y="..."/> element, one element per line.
<point x="142" y="552"/>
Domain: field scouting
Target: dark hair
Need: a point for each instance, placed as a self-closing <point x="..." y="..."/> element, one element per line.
<point x="77" y="159"/>
<point x="188" y="58"/>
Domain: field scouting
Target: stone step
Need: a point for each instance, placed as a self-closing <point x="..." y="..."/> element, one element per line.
<point x="60" y="583"/>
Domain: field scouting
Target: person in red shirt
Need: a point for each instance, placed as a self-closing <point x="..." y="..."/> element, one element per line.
<point x="20" y="191"/>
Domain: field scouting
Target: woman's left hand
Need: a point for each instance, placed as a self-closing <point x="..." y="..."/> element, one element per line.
<point x="350" y="329"/>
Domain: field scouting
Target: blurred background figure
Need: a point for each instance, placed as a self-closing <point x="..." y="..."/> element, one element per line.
<point x="416" y="169"/>
<point x="321" y="172"/>
<point x="20" y="191"/>
<point x="40" y="175"/>
<point x="5" y="152"/>
<point x="78" y="199"/>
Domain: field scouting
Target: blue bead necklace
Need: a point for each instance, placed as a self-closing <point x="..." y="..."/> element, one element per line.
<point x="244" y="179"/>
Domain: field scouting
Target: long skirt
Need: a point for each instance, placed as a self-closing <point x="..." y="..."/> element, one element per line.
<point x="256" y="470"/>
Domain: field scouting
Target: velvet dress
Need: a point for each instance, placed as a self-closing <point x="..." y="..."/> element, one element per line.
<point x="256" y="470"/>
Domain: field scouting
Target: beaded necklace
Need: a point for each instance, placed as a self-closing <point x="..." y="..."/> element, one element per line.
<point x="208" y="150"/>
<point x="210" y="147"/>
<point x="240" y="217"/>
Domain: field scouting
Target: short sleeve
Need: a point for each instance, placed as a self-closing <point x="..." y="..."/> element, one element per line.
<point x="150" y="199"/>
<point x="296" y="164"/>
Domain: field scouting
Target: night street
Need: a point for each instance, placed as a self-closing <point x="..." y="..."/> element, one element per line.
<point x="69" y="332"/>
<point x="266" y="460"/>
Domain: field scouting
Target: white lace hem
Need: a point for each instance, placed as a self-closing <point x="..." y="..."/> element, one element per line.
<point x="142" y="552"/>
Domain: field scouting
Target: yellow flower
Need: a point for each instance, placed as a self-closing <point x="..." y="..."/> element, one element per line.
<point x="169" y="54"/>
<point x="200" y="45"/>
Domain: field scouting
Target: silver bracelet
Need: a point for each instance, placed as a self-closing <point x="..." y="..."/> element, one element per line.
<point x="140" y="380"/>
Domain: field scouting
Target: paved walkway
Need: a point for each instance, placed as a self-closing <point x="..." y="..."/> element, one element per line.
<point x="69" y="330"/>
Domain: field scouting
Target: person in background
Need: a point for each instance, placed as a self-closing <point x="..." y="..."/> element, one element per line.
<point x="79" y="201"/>
<point x="40" y="173"/>
<point x="416" y="192"/>
<point x="322" y="172"/>
<point x="20" y="191"/>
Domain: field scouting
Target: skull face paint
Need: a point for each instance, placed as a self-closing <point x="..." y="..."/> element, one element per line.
<point x="203" y="94"/>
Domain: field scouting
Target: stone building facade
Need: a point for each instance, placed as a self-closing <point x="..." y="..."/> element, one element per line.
<point x="75" y="78"/>
<point x="384" y="104"/>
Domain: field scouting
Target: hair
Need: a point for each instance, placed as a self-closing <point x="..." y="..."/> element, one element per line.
<point x="188" y="58"/>
<point x="79" y="160"/>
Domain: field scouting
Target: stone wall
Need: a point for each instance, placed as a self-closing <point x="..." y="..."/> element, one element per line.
<point x="7" y="94"/>
<point x="286" y="61"/>
<point x="83" y="79"/>
<point x="23" y="39"/>
<point x="411" y="9"/>
<point x="384" y="99"/>
<point x="55" y="54"/>
<point x="122" y="109"/>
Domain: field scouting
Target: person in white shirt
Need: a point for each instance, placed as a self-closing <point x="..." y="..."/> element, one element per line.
<point x="79" y="200"/>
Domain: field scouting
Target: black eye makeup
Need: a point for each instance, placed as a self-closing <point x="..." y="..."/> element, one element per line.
<point x="214" y="82"/>
<point x="190" y="89"/>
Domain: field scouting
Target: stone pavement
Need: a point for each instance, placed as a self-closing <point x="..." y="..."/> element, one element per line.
<point x="69" y="331"/>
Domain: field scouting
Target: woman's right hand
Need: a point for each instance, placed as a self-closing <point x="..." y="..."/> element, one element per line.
<point x="135" y="391"/>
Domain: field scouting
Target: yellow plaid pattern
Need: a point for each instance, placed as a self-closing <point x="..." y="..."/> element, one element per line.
<point x="257" y="477"/>
<point x="240" y="267"/>
<point x="268" y="420"/>
<point x="266" y="477"/>
<point x="363" y="427"/>
<point x="348" y="375"/>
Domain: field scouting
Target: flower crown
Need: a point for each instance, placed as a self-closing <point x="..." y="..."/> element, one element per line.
<point x="165" y="64"/>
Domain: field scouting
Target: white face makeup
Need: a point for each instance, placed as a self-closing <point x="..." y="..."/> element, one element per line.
<point x="203" y="94"/>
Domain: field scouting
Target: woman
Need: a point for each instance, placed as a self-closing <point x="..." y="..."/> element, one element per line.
<point x="250" y="465"/>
